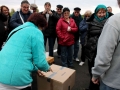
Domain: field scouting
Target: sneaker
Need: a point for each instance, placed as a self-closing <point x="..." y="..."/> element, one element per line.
<point x="77" y="60"/>
<point x="81" y="63"/>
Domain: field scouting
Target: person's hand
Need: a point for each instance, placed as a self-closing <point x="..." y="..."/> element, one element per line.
<point x="50" y="70"/>
<point x="95" y="81"/>
<point x="49" y="12"/>
<point x="69" y="28"/>
<point x="40" y="73"/>
<point x="44" y="12"/>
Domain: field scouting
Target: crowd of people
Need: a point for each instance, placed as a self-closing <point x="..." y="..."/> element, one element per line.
<point x="24" y="36"/>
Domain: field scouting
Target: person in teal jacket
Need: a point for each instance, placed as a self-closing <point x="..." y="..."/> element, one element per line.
<point x="22" y="54"/>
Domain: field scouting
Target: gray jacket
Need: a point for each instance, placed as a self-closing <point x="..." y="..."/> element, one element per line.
<point x="107" y="61"/>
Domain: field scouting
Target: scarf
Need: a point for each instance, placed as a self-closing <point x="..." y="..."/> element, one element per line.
<point x="96" y="11"/>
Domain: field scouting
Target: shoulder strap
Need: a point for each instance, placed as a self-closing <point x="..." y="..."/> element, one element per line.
<point x="9" y="37"/>
<point x="21" y="18"/>
<point x="12" y="34"/>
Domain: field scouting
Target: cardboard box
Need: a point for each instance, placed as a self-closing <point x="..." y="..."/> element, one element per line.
<point x="50" y="59"/>
<point x="61" y="78"/>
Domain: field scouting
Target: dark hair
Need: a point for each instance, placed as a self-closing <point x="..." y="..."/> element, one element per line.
<point x="24" y="1"/>
<point x="47" y="3"/>
<point x="66" y="9"/>
<point x="1" y="8"/>
<point x="38" y="20"/>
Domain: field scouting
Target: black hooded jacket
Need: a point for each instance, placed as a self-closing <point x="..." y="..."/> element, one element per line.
<point x="93" y="33"/>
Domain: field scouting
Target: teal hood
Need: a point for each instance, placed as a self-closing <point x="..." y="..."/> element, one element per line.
<point x="96" y="11"/>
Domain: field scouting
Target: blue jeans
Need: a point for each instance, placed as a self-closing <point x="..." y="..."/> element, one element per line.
<point x="105" y="87"/>
<point x="66" y="56"/>
<point x="51" y="42"/>
<point x="76" y="49"/>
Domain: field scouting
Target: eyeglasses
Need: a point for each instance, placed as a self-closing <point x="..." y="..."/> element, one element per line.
<point x="25" y="7"/>
<point x="59" y="9"/>
<point x="76" y="12"/>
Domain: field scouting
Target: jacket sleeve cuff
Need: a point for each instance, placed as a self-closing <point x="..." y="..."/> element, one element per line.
<point x="95" y="76"/>
<point x="35" y="68"/>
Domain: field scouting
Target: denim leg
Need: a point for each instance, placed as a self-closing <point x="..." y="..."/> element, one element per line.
<point x="51" y="42"/>
<point x="76" y="49"/>
<point x="64" y="56"/>
<point x="105" y="87"/>
<point x="70" y="55"/>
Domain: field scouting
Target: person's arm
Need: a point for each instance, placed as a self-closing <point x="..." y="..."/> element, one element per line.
<point x="38" y="52"/>
<point x="83" y="26"/>
<point x="13" y="20"/>
<point x="106" y="45"/>
<point x="74" y="28"/>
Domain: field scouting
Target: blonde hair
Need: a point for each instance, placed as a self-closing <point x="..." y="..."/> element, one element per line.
<point x="88" y="12"/>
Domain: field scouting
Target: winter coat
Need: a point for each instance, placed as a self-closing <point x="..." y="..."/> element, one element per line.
<point x="50" y="30"/>
<point x="7" y="25"/>
<point x="16" y="21"/>
<point x="66" y="38"/>
<point x="3" y="18"/>
<point x="22" y="54"/>
<point x="83" y="27"/>
<point x="93" y="33"/>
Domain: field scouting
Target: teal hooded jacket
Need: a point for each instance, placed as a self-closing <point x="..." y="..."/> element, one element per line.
<point x="22" y="54"/>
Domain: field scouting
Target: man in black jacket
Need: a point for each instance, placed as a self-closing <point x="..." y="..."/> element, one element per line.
<point x="50" y="31"/>
<point x="59" y="14"/>
<point x="78" y="18"/>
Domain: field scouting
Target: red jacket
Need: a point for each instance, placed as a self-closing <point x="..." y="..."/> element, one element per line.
<point x="64" y="37"/>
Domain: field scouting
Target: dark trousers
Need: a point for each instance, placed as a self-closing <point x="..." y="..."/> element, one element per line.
<point x="58" y="50"/>
<point x="66" y="56"/>
<point x="51" y="42"/>
<point x="83" y="54"/>
<point x="76" y="49"/>
<point x="92" y="86"/>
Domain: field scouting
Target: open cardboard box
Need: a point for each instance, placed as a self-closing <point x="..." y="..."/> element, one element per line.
<point x="61" y="78"/>
<point x="50" y="59"/>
